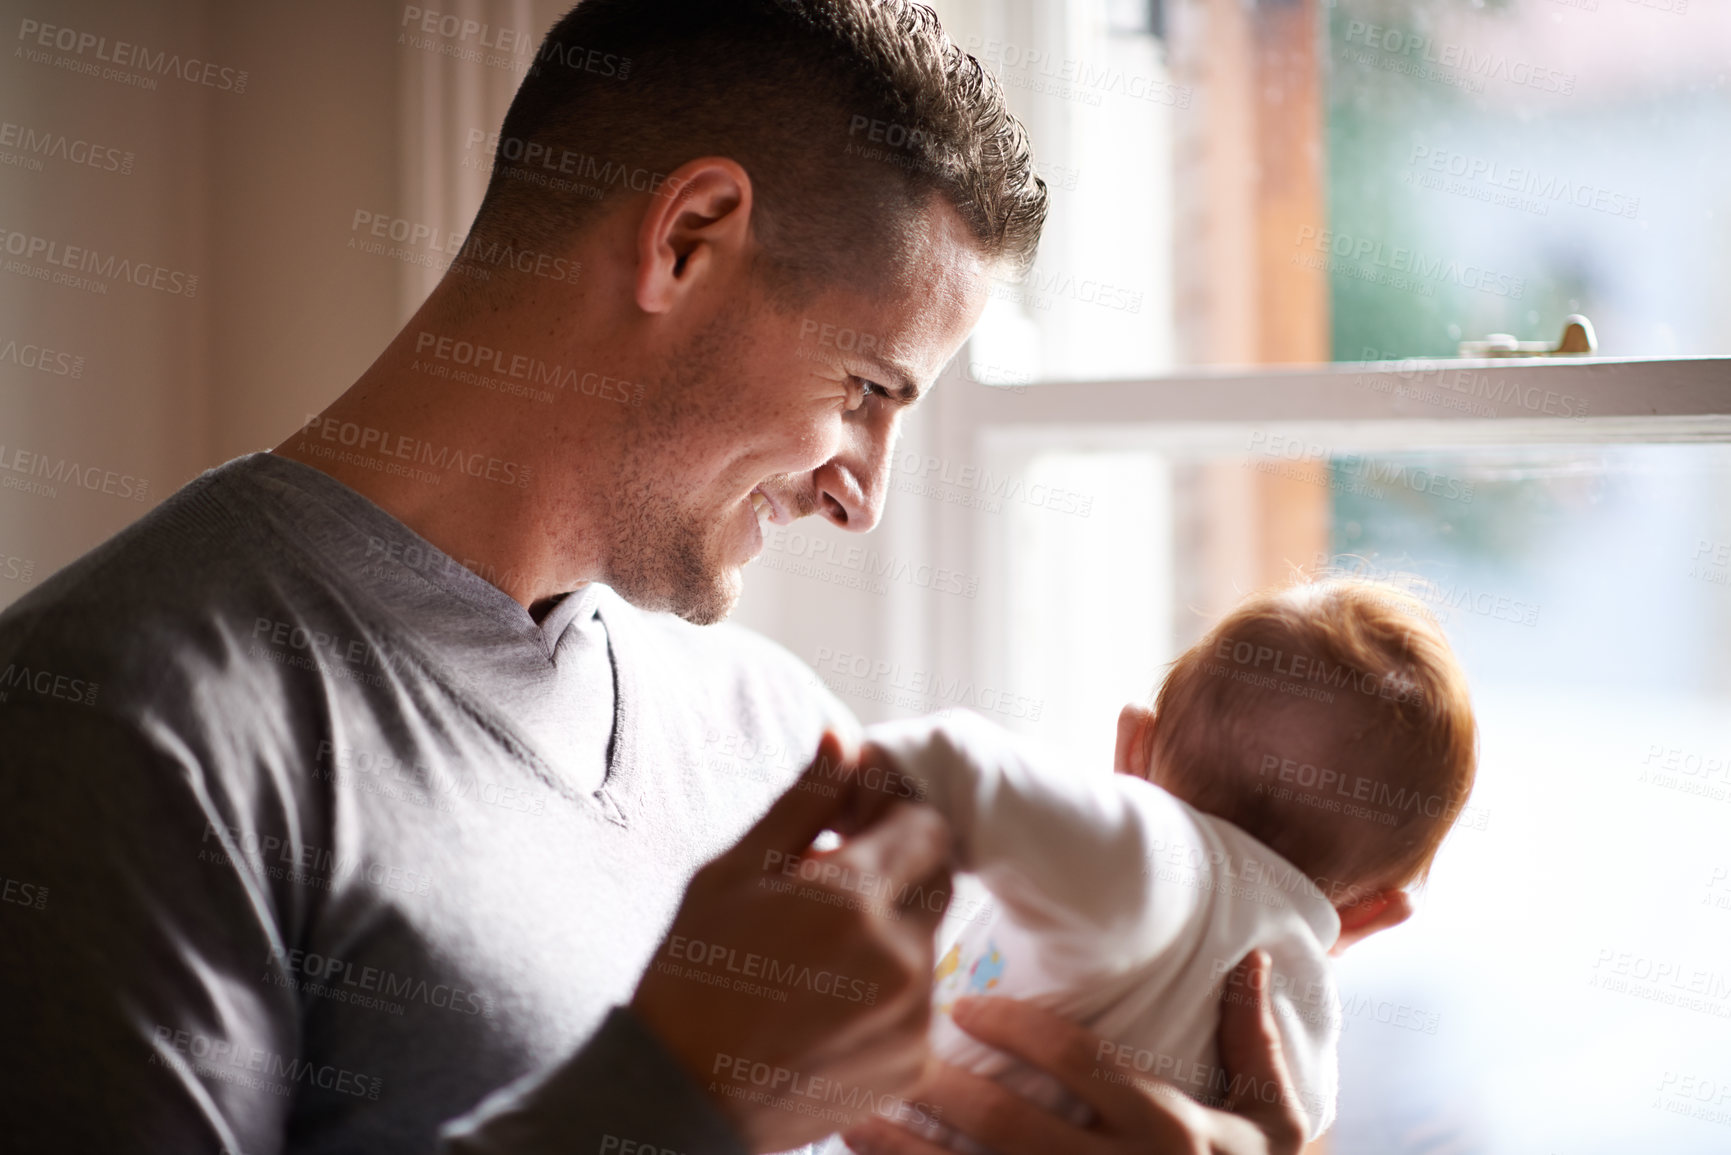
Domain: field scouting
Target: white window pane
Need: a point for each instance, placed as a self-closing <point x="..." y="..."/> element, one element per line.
<point x="1298" y="181"/>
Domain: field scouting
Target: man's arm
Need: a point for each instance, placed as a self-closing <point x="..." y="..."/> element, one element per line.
<point x="1142" y="1117"/>
<point x="622" y="1091"/>
<point x="139" y="1009"/>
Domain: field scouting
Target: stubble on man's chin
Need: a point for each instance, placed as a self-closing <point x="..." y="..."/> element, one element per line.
<point x="714" y="603"/>
<point x="706" y="589"/>
<point x="675" y="568"/>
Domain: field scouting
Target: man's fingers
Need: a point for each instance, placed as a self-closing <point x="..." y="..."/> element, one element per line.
<point x="877" y="1137"/>
<point x="802" y="813"/>
<point x="1080" y="1060"/>
<point x="907" y="843"/>
<point x="925" y="902"/>
<point x="878" y="784"/>
<point x="892" y="843"/>
<point x="992" y="1114"/>
<point x="887" y="1050"/>
<point x="1249" y="1042"/>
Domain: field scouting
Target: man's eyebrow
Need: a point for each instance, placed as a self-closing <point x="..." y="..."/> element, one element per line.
<point x="906" y="386"/>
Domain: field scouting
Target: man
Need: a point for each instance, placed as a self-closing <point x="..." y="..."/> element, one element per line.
<point x="364" y="788"/>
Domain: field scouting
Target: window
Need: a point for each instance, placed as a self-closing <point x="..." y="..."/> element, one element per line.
<point x="1049" y="548"/>
<point x="1303" y="181"/>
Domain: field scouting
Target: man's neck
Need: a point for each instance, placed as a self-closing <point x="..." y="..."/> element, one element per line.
<point x="508" y="509"/>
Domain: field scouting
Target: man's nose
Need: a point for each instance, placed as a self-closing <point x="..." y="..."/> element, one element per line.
<point x="852" y="485"/>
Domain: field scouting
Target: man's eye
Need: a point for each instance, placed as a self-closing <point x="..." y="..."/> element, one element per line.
<point x="869" y="388"/>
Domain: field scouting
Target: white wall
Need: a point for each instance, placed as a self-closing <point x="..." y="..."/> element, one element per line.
<point x="249" y="185"/>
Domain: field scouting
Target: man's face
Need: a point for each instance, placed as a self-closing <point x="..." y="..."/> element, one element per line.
<point x="766" y="415"/>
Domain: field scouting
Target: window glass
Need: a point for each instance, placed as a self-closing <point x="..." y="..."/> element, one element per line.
<point x="1241" y="182"/>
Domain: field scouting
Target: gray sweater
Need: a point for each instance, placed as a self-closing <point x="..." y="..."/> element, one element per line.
<point x="311" y="839"/>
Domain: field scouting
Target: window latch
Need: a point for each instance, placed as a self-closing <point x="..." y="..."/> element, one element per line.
<point x="1579" y="340"/>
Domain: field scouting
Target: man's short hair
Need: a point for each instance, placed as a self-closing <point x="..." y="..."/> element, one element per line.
<point x="848" y="115"/>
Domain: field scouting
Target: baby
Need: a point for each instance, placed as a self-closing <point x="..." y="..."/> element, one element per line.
<point x="1298" y="770"/>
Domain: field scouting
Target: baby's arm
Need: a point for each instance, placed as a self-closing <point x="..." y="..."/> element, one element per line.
<point x="1072" y="859"/>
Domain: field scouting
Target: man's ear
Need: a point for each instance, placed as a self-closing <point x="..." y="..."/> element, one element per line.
<point x="1135" y="740"/>
<point x="1378" y="910"/>
<point x="699" y="217"/>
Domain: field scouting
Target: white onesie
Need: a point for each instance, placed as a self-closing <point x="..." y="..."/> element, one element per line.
<point x="1122" y="908"/>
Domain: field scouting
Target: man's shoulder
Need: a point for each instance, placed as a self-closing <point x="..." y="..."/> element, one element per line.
<point x="175" y="594"/>
<point x="162" y="557"/>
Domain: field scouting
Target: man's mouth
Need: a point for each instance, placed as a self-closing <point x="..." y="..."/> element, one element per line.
<point x="763" y="504"/>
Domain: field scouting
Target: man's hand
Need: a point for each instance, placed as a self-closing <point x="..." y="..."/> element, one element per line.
<point x="793" y="982"/>
<point x="1143" y="1115"/>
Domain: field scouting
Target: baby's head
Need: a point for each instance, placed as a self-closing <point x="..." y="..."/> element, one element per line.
<point x="1331" y="721"/>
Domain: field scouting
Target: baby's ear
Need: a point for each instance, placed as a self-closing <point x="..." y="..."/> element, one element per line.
<point x="1135" y="741"/>
<point x="1379" y="910"/>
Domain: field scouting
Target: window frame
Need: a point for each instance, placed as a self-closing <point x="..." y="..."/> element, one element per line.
<point x="964" y="423"/>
